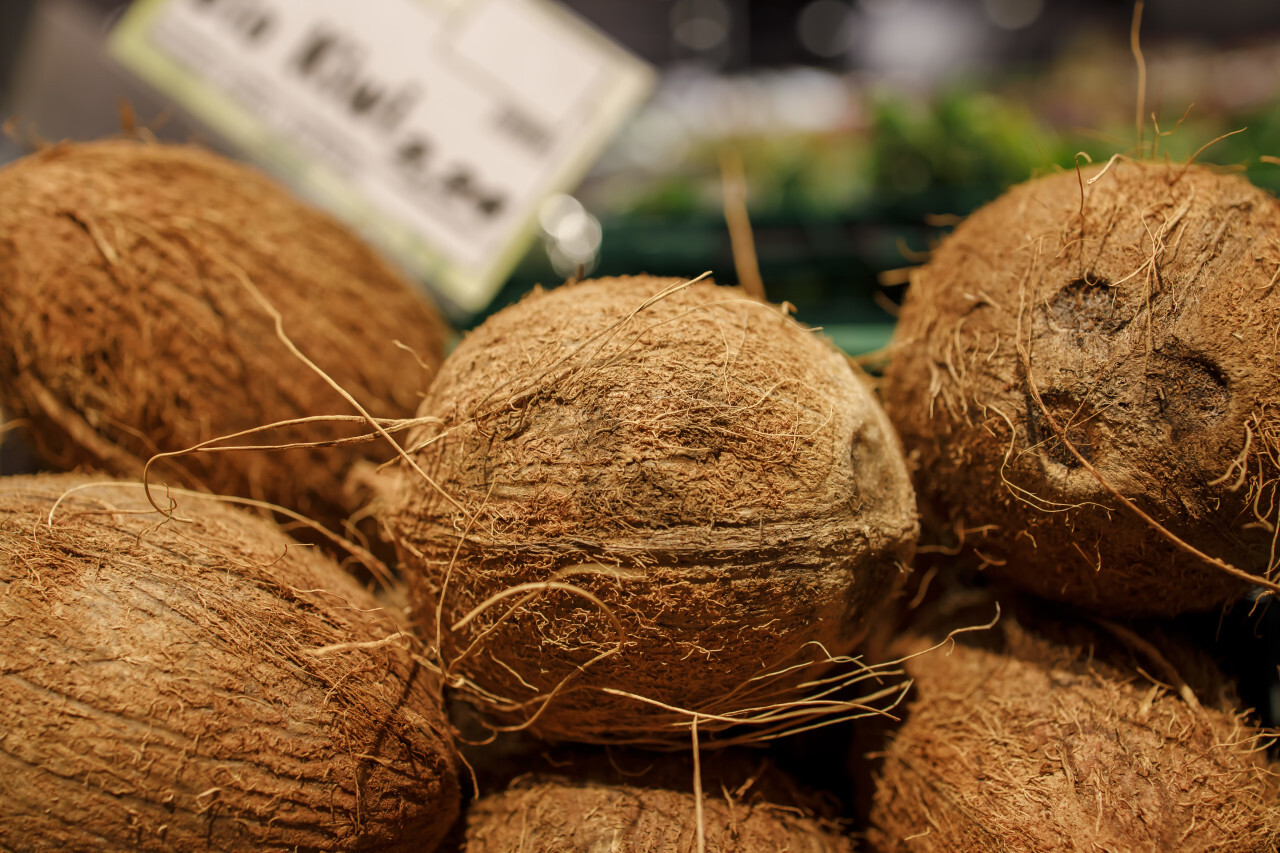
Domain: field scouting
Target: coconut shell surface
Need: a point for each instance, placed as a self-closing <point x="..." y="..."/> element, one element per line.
<point x="1024" y="740"/>
<point x="1093" y="335"/>
<point x="128" y="329"/>
<point x="201" y="684"/>
<point x="636" y="803"/>
<point x="713" y="480"/>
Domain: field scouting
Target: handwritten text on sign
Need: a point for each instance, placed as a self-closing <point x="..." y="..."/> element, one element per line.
<point x="436" y="125"/>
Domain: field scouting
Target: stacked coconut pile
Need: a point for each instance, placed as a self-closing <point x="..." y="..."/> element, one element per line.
<point x="642" y="527"/>
<point x="177" y="673"/>
<point x="1086" y="380"/>
<point x="646" y="511"/>
<point x="631" y="511"/>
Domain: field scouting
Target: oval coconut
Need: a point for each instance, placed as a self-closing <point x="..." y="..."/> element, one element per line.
<point x="1136" y="316"/>
<point x="646" y="804"/>
<point x="714" y="474"/>
<point x="128" y="330"/>
<point x="1055" y="739"/>
<point x="201" y="684"/>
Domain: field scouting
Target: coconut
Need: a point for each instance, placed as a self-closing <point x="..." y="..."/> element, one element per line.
<point x="633" y="803"/>
<point x="130" y="327"/>
<point x="694" y="492"/>
<point x="197" y="681"/>
<point x="1055" y="738"/>
<point x="1087" y="338"/>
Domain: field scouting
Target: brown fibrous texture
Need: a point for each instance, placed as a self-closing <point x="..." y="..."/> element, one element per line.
<point x="128" y="328"/>
<point x="1085" y="335"/>
<point x="197" y="681"/>
<point x="647" y="804"/>
<point x="713" y="480"/>
<point x="1056" y="738"/>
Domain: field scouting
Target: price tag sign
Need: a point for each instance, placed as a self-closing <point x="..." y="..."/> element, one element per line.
<point x="436" y="127"/>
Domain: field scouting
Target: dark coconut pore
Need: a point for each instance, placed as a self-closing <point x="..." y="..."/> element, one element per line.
<point x="1047" y="735"/>
<point x="161" y="688"/>
<point x="1143" y="311"/>
<point x="715" y="474"/>
<point x="127" y="329"/>
<point x="638" y="803"/>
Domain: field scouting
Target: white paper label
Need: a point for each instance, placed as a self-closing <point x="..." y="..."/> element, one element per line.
<point x="435" y="126"/>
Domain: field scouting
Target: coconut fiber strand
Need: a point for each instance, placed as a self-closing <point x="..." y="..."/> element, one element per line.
<point x="1056" y="738"/>
<point x="1135" y="316"/>
<point x="716" y="475"/>
<point x="127" y="327"/>
<point x="199" y="683"/>
<point x="634" y="803"/>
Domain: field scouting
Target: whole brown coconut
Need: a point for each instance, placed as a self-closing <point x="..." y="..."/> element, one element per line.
<point x="646" y="804"/>
<point x="1134" y="311"/>
<point x="716" y="476"/>
<point x="201" y="684"/>
<point x="127" y="328"/>
<point x="1056" y="739"/>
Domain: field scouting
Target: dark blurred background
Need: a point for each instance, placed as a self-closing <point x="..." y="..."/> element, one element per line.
<point x="864" y="126"/>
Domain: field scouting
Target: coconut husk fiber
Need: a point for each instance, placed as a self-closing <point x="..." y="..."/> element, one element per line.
<point x="201" y="683"/>
<point x="1084" y="337"/>
<point x="713" y="480"/>
<point x="638" y="803"/>
<point x="128" y="328"/>
<point x="1052" y="735"/>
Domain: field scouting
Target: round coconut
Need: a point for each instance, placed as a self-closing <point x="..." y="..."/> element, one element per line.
<point x="646" y="804"/>
<point x="1094" y="335"/>
<point x="130" y="328"/>
<point x="200" y="682"/>
<point x="713" y="480"/>
<point x="1057" y="739"/>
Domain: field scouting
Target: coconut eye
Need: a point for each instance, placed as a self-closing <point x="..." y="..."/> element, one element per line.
<point x="1076" y="417"/>
<point x="1086" y="305"/>
<point x="1189" y="391"/>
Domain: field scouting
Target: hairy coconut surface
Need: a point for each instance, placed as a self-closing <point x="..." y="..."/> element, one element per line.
<point x="127" y="327"/>
<point x="713" y="479"/>
<point x="634" y="803"/>
<point x="1134" y="312"/>
<point x="1023" y="740"/>
<point x="201" y="684"/>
